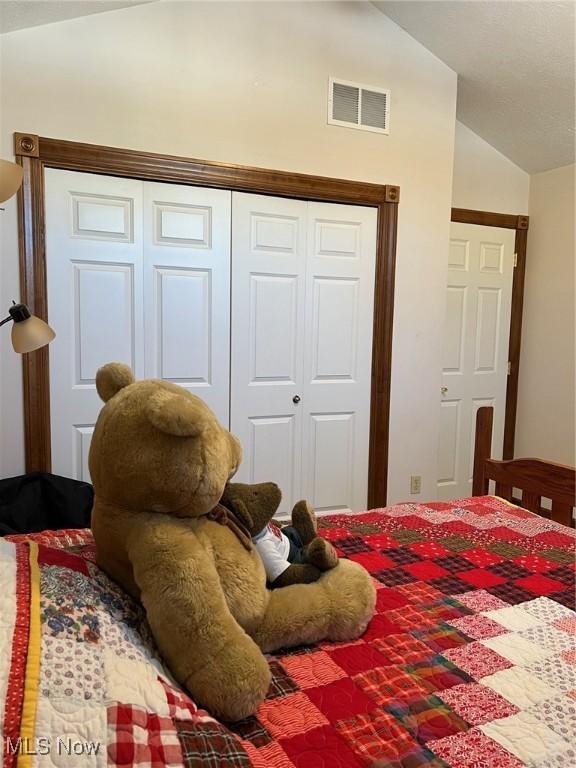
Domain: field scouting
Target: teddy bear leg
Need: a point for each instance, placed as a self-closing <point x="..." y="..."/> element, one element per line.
<point x="304" y="520"/>
<point x="336" y="607"/>
<point x="321" y="554"/>
<point x="297" y="573"/>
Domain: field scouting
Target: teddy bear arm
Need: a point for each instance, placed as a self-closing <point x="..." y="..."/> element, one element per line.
<point x="204" y="646"/>
<point x="297" y="573"/>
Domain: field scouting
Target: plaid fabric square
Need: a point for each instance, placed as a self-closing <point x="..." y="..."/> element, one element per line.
<point x="407" y="536"/>
<point x="410" y="617"/>
<point x="539" y="584"/>
<point x="290" y="715"/>
<point x="420" y="593"/>
<point x="456" y="543"/>
<point x="565" y="574"/>
<point x="427" y="719"/>
<point x="281" y="684"/>
<point x="251" y="729"/>
<point x="393" y="577"/>
<point x="356" y="658"/>
<point x="340" y="699"/>
<point x="403" y="649"/>
<point x="442" y="637"/>
<point x="312" y="669"/>
<point x="270" y="756"/>
<point x="451" y="585"/>
<point x="473" y="750"/>
<point x="210" y="745"/>
<point x="387" y="684"/>
<point x="364" y="528"/>
<point x="403" y="556"/>
<point x="478" y="627"/>
<point x="567" y="598"/>
<point x="482" y="557"/>
<point x="480" y="600"/>
<point x="476" y="703"/>
<point x="556" y="555"/>
<point x="377" y="737"/>
<point x="454" y="563"/>
<point x="477" y="660"/>
<point x="320" y="747"/>
<point x="505" y="549"/>
<point x="351" y="545"/>
<point x="139" y="738"/>
<point x="534" y="563"/>
<point x="510" y="593"/>
<point x="509" y="570"/>
<point x="438" y="673"/>
<point x="447" y="608"/>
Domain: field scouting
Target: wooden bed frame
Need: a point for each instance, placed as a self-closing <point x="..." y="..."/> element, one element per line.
<point x="536" y="479"/>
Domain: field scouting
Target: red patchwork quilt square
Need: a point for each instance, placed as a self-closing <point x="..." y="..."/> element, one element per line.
<point x="340" y="699"/>
<point x="320" y="748"/>
<point x="357" y="658"/>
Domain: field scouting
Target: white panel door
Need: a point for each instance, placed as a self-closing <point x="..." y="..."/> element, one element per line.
<point x="475" y="355"/>
<point x="187" y="290"/>
<point x="338" y="355"/>
<point x="94" y="274"/>
<point x="302" y="306"/>
<point x="268" y="292"/>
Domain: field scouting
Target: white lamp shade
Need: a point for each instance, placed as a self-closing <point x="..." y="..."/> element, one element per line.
<point x="10" y="179"/>
<point x="31" y="334"/>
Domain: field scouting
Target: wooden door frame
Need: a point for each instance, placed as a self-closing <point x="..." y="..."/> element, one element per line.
<point x="35" y="153"/>
<point x="520" y="224"/>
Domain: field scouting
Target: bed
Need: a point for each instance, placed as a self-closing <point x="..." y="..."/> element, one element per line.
<point x="469" y="661"/>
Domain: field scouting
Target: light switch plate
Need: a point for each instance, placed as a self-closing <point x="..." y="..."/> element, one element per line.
<point x="415" y="484"/>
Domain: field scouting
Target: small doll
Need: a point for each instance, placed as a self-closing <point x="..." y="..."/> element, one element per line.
<point x="294" y="554"/>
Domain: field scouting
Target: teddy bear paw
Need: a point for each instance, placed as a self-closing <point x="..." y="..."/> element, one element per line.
<point x="304" y="520"/>
<point x="322" y="554"/>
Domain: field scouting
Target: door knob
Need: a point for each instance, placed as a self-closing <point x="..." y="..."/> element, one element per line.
<point x="296" y="399"/>
<point x="444" y="390"/>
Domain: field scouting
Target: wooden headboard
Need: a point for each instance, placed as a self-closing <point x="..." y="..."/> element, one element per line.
<point x="535" y="478"/>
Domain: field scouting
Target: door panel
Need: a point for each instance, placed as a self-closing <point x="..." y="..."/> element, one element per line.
<point x="268" y="282"/>
<point x="475" y="356"/>
<point x="338" y="355"/>
<point x="187" y="290"/>
<point x="94" y="277"/>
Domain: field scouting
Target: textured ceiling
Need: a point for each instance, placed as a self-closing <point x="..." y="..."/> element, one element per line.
<point x="515" y="65"/>
<point x="19" y="14"/>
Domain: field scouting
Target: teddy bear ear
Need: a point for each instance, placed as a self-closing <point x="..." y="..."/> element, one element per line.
<point x="175" y="414"/>
<point x="111" y="378"/>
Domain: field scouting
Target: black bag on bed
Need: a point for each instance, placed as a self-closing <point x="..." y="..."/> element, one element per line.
<point x="41" y="501"/>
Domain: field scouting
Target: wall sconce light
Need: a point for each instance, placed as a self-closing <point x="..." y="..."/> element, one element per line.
<point x="28" y="332"/>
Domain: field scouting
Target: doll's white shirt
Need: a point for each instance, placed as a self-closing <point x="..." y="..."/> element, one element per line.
<point x="273" y="547"/>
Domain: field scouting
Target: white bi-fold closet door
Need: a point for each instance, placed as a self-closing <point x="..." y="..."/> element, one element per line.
<point x="302" y="309"/>
<point x="261" y="306"/>
<point x="140" y="273"/>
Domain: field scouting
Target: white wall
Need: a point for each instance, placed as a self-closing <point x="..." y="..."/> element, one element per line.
<point x="247" y="83"/>
<point x="484" y="179"/>
<point x="546" y="419"/>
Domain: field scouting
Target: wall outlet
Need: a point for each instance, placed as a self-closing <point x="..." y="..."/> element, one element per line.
<point x="415" y="483"/>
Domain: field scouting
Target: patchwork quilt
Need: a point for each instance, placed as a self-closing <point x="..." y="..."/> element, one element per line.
<point x="469" y="661"/>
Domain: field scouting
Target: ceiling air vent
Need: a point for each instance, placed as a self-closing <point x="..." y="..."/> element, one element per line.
<point x="358" y="106"/>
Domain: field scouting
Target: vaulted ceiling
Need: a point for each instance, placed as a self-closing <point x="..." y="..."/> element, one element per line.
<point x="515" y="65"/>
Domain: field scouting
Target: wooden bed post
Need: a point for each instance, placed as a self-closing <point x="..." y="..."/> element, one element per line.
<point x="482" y="450"/>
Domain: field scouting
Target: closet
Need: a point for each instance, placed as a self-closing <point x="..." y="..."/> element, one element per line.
<point x="262" y="306"/>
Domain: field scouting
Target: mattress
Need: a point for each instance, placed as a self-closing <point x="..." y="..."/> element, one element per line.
<point x="469" y="661"/>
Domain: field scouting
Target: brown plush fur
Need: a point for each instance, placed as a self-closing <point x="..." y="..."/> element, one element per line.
<point x="159" y="462"/>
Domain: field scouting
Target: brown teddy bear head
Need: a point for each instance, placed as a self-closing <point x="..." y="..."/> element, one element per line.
<point x="157" y="447"/>
<point x="255" y="505"/>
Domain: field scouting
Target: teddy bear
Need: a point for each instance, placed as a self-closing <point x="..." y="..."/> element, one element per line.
<point x="159" y="462"/>
<point x="293" y="554"/>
